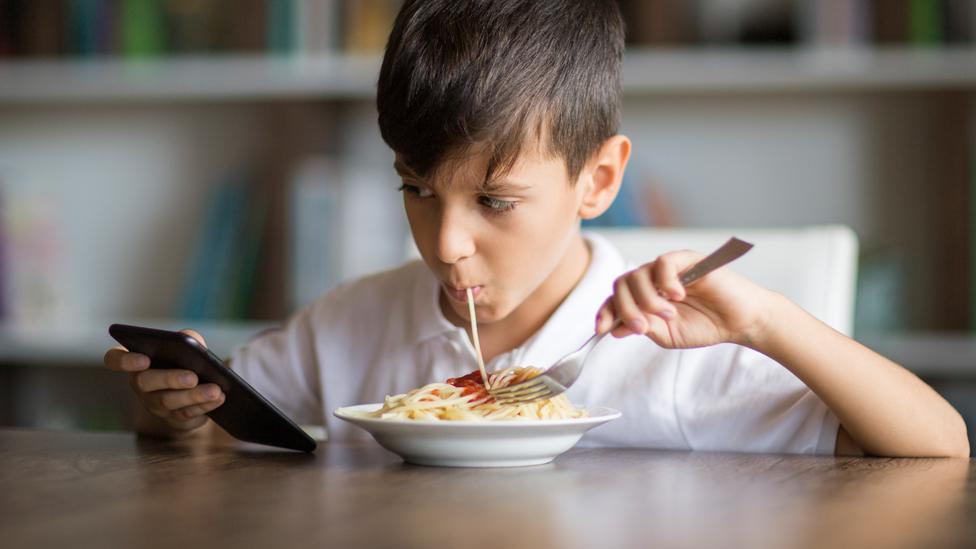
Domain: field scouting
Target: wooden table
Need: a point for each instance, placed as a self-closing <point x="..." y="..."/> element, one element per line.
<point x="72" y="490"/>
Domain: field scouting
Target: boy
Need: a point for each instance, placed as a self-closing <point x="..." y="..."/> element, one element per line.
<point x="503" y="118"/>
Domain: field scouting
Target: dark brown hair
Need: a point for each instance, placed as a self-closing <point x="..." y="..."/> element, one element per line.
<point x="501" y="74"/>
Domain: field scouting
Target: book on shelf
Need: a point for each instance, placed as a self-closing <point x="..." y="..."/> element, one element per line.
<point x="39" y="28"/>
<point x="830" y="23"/>
<point x="34" y="278"/>
<point x="879" y="300"/>
<point x="340" y="225"/>
<point x="245" y="28"/>
<point x="836" y="23"/>
<point x="660" y="22"/>
<point x="7" y="29"/>
<point x="81" y="27"/>
<point x="200" y="277"/>
<point x="152" y="28"/>
<point x="367" y="23"/>
<point x="191" y="26"/>
<point x="4" y="262"/>
<point x="638" y="204"/>
<point x="971" y="206"/>
<point x="958" y="21"/>
<point x="314" y="225"/>
<point x="317" y="26"/>
<point x="925" y="23"/>
<point x="373" y="226"/>
<point x="142" y="28"/>
<point x="221" y="273"/>
<point x="251" y="243"/>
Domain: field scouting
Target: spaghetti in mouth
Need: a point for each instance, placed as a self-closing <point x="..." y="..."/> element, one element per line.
<point x="466" y="399"/>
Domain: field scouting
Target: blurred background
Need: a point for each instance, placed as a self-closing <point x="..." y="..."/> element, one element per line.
<point x="216" y="164"/>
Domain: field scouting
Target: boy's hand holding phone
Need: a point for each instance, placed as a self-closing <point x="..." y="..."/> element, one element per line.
<point x="171" y="395"/>
<point x="721" y="307"/>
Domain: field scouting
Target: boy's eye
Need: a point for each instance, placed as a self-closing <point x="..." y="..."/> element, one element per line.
<point x="496" y="205"/>
<point x="414" y="190"/>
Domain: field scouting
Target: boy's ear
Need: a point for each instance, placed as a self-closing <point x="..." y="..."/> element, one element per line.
<point x="600" y="179"/>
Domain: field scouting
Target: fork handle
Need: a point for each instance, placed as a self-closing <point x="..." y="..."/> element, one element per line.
<point x="728" y="252"/>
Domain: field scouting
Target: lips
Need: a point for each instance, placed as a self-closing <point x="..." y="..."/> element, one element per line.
<point x="459" y="294"/>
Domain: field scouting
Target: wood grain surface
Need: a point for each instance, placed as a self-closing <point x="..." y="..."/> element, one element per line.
<point x="76" y="489"/>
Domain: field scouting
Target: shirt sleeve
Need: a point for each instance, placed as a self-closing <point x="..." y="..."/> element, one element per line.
<point x="731" y="398"/>
<point x="281" y="365"/>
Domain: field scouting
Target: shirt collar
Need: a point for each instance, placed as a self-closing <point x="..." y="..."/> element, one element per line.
<point x="568" y="327"/>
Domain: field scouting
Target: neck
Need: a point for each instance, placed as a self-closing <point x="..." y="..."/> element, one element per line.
<point x="515" y="329"/>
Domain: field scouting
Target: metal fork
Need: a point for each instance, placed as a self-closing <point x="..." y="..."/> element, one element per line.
<point x="566" y="370"/>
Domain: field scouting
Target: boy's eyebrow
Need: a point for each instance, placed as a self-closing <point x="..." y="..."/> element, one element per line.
<point x="496" y="185"/>
<point x="489" y="185"/>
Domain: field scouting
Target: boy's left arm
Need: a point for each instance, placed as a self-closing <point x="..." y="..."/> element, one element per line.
<point x="883" y="408"/>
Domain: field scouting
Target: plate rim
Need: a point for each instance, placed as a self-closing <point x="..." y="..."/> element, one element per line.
<point x="607" y="414"/>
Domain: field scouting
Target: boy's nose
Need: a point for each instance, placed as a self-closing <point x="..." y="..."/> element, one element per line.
<point x="454" y="240"/>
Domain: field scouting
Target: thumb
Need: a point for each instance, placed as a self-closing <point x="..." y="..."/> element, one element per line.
<point x="195" y="335"/>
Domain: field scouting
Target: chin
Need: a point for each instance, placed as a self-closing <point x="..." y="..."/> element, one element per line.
<point x="489" y="316"/>
<point x="486" y="313"/>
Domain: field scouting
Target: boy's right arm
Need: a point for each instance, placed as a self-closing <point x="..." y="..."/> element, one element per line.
<point x="172" y="402"/>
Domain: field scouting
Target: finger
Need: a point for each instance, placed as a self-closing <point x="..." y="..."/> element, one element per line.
<point x="117" y="358"/>
<point x="664" y="276"/>
<point x="195" y="335"/>
<point x="157" y="380"/>
<point x="659" y="332"/>
<point x="181" y="398"/>
<point x="647" y="297"/>
<point x="197" y="410"/>
<point x="605" y="316"/>
<point x="184" y="425"/>
<point x="627" y="310"/>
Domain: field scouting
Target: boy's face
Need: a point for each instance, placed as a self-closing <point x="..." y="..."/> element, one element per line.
<point x="504" y="238"/>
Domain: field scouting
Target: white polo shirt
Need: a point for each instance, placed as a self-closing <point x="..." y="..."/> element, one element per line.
<point x="385" y="334"/>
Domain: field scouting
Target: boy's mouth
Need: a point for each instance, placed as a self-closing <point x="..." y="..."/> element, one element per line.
<point x="459" y="294"/>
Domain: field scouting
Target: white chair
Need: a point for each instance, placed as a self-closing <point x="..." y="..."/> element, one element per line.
<point x="814" y="266"/>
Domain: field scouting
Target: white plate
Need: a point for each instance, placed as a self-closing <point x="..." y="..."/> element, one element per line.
<point x="507" y="443"/>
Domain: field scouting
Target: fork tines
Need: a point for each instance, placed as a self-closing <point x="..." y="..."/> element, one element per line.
<point x="525" y="392"/>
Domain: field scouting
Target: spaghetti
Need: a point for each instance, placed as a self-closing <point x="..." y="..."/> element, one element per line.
<point x="466" y="399"/>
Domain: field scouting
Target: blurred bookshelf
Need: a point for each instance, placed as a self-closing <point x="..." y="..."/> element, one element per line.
<point x="770" y="69"/>
<point x="84" y="343"/>
<point x="353" y="77"/>
<point x="205" y="78"/>
<point x="191" y="98"/>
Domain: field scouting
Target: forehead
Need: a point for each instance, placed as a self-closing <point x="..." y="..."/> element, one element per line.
<point x="531" y="168"/>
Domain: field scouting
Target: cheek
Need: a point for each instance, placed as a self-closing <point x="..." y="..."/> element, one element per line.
<point x="535" y="243"/>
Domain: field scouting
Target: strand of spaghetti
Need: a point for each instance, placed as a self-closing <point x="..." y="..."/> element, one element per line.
<point x="474" y="336"/>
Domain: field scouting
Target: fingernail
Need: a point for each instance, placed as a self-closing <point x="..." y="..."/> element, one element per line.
<point x="666" y="314"/>
<point x="213" y="393"/>
<point x="186" y="379"/>
<point x="142" y="361"/>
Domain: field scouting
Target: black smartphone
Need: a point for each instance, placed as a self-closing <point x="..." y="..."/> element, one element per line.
<point x="245" y="414"/>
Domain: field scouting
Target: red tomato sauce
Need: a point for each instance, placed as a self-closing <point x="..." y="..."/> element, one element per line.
<point x="471" y="384"/>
